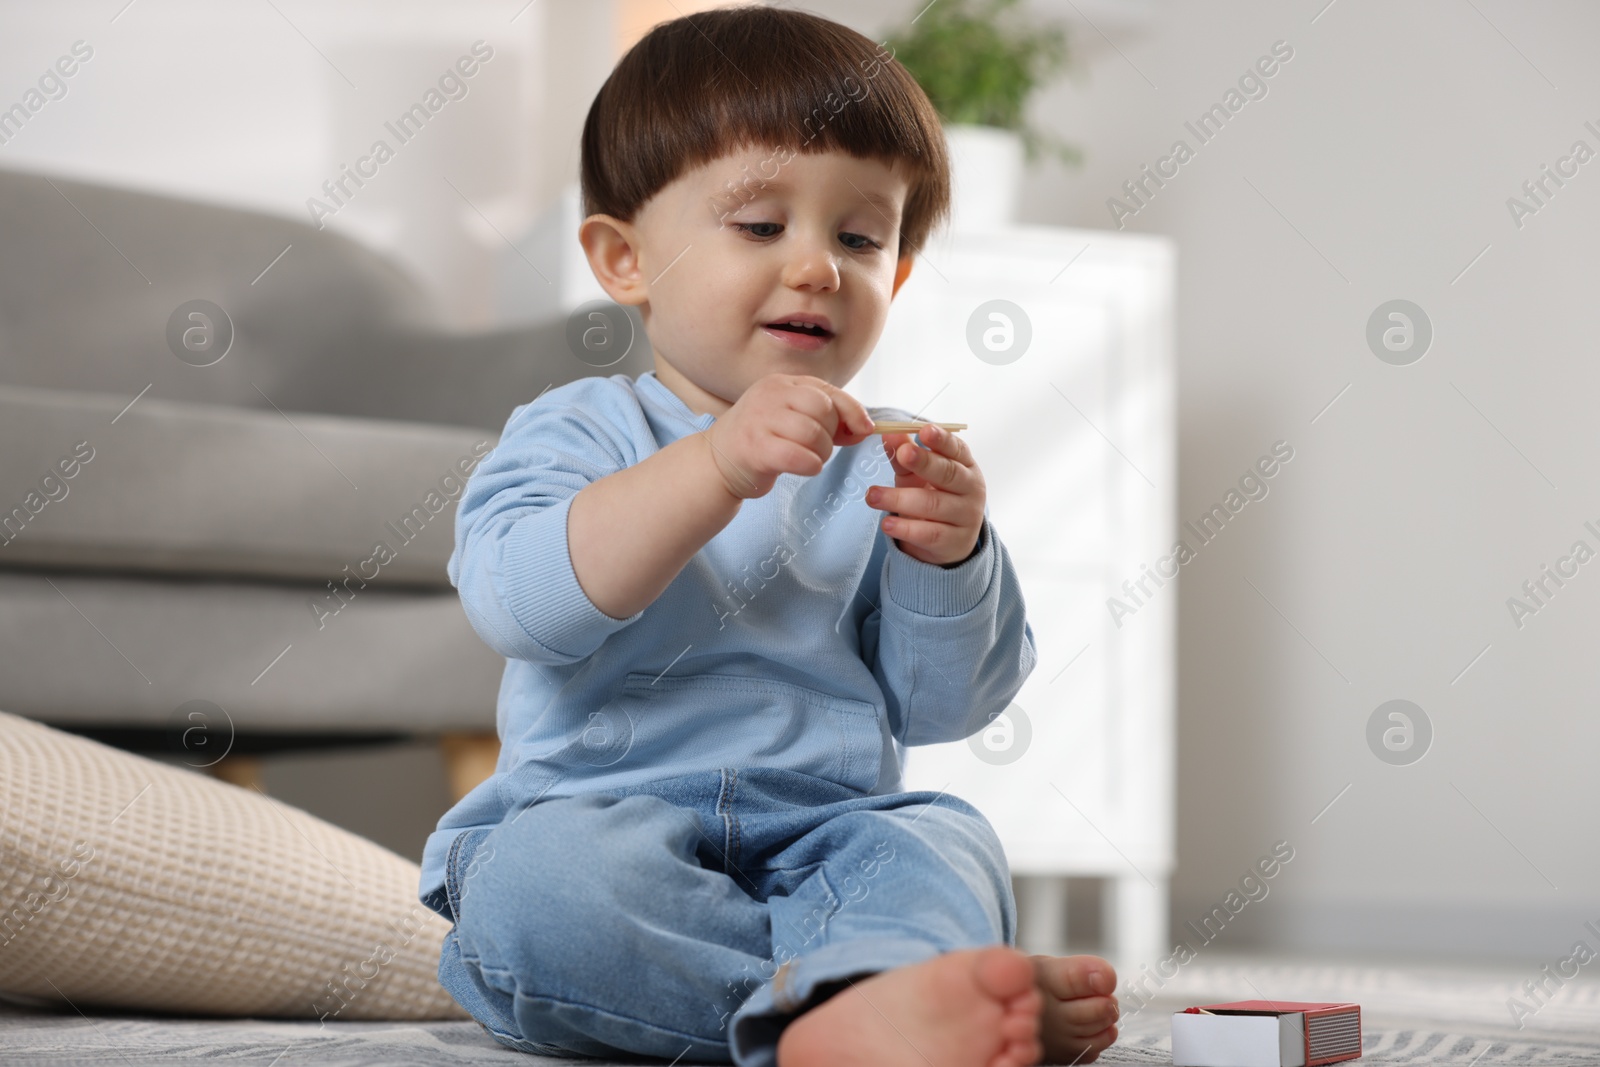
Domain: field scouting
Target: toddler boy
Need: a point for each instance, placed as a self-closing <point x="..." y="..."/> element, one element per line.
<point x="696" y="842"/>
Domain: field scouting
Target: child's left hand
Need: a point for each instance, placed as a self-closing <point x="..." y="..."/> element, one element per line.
<point x="938" y="498"/>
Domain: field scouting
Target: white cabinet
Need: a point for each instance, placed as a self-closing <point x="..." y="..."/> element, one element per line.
<point x="1076" y="439"/>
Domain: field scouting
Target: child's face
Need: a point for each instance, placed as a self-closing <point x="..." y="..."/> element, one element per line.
<point x="710" y="270"/>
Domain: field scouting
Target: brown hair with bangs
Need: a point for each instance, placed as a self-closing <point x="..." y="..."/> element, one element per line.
<point x="698" y="87"/>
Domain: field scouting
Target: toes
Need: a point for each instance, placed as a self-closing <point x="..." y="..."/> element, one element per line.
<point x="1021" y="1025"/>
<point x="1086" y="1015"/>
<point x="1106" y="1039"/>
<point x="1069" y="977"/>
<point x="1030" y="1002"/>
<point x="1004" y="973"/>
<point x="1019" y="1054"/>
<point x="1091" y="1051"/>
<point x="1100" y="1042"/>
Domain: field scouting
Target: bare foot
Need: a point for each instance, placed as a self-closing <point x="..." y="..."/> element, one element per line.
<point x="972" y="1008"/>
<point x="1080" y="1014"/>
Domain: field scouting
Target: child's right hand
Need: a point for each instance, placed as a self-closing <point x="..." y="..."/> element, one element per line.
<point x="783" y="424"/>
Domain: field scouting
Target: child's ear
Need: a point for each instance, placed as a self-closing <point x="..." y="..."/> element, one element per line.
<point x="902" y="271"/>
<point x="612" y="247"/>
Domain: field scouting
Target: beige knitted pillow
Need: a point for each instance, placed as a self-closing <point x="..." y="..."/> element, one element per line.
<point x="129" y="883"/>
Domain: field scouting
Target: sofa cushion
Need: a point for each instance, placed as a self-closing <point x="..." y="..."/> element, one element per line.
<point x="111" y="650"/>
<point x="88" y="481"/>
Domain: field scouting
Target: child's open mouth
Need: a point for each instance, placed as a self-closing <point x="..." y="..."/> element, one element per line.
<point x="798" y="333"/>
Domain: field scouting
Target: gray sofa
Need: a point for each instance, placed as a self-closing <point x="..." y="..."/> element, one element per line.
<point x="190" y="554"/>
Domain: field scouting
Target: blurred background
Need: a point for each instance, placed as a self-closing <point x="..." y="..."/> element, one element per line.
<point x="1401" y="153"/>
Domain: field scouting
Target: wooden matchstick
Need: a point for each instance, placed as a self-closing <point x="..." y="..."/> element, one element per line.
<point x="900" y="426"/>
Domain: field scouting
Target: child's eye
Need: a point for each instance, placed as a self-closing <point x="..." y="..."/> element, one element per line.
<point x="752" y="229"/>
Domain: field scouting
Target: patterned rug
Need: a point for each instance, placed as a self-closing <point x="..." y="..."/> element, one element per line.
<point x="1411" y="1015"/>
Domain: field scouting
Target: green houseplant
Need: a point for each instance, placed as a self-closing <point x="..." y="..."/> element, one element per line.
<point x="979" y="61"/>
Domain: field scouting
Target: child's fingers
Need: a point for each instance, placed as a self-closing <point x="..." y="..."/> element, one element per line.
<point x="946" y="443"/>
<point x="924" y="533"/>
<point x="790" y="441"/>
<point x="891" y="447"/>
<point x="937" y="469"/>
<point x="855" y="423"/>
<point x="933" y="504"/>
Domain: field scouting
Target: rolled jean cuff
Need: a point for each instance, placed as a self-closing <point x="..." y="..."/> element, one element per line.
<point x="757" y="1025"/>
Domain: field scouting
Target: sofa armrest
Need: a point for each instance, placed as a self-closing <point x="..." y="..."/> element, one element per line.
<point x="198" y="489"/>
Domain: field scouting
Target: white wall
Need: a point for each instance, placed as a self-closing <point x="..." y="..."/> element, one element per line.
<point x="1391" y="543"/>
<point x="257" y="105"/>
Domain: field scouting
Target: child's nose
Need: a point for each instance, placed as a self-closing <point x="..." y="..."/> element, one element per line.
<point x="811" y="266"/>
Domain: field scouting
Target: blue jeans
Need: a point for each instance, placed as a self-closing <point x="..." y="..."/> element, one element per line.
<point x="695" y="916"/>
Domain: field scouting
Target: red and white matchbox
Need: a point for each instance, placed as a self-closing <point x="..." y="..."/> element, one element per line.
<point x="1266" y="1033"/>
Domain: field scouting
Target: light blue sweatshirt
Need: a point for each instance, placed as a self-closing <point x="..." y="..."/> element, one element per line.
<point x="799" y="637"/>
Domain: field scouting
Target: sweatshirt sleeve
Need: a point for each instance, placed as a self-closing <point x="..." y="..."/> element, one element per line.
<point x="949" y="646"/>
<point x="512" y="562"/>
